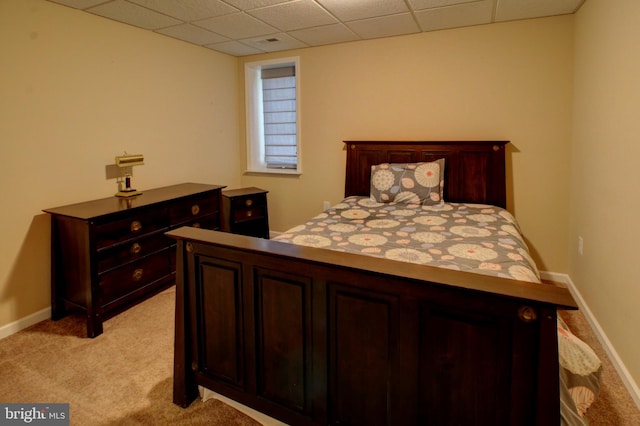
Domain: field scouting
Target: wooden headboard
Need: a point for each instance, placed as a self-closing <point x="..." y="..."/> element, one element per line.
<point x="474" y="170"/>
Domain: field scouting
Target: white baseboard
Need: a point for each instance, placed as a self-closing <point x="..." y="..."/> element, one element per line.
<point x="624" y="374"/>
<point x="22" y="323"/>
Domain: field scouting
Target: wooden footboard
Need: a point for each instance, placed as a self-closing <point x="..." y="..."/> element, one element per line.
<point x="312" y="336"/>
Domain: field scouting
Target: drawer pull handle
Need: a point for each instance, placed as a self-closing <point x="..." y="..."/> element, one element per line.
<point x="195" y="209"/>
<point x="249" y="213"/>
<point x="248" y="202"/>
<point x="137" y="274"/>
<point x="136" y="226"/>
<point x="135" y="248"/>
<point x="196" y="225"/>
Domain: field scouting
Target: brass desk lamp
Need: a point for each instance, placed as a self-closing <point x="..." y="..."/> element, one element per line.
<point x="126" y="162"/>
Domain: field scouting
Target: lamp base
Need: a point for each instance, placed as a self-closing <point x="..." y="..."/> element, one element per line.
<point x="128" y="193"/>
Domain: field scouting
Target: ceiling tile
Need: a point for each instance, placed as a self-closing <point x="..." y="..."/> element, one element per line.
<point x="508" y="10"/>
<point x="192" y="34"/>
<point x="253" y="4"/>
<point x="79" y="4"/>
<point x="430" y="4"/>
<point x="462" y="15"/>
<point x="362" y="9"/>
<point x="236" y="26"/>
<point x="188" y="10"/>
<point x="234" y="48"/>
<point x="274" y="42"/>
<point x="239" y="27"/>
<point x="385" y="26"/>
<point x="294" y="15"/>
<point x="133" y="14"/>
<point x="327" y="34"/>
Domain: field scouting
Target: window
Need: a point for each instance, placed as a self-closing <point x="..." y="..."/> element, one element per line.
<point x="273" y="128"/>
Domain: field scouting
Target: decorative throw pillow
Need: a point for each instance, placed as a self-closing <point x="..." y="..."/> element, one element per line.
<point x="410" y="183"/>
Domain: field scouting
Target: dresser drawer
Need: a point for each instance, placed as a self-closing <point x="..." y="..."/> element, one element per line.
<point x="144" y="222"/>
<point x="249" y="201"/>
<point x="127" y="252"/>
<point x="122" y="281"/>
<point x="192" y="209"/>
<point x="211" y="221"/>
<point x="240" y="215"/>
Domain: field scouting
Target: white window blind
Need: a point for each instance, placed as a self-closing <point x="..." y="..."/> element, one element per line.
<point x="279" y="109"/>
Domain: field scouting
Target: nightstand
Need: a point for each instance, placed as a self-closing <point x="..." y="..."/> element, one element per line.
<point x="245" y="212"/>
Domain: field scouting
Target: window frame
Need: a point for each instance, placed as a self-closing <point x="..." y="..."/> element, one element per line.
<point x="255" y="119"/>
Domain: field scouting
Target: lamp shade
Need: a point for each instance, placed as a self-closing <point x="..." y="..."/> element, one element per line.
<point x="130" y="160"/>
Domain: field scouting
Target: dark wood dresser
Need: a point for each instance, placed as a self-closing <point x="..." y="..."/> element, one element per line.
<point x="111" y="253"/>
<point x="245" y="212"/>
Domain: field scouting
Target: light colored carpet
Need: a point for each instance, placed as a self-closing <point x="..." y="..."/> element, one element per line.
<point x="122" y="377"/>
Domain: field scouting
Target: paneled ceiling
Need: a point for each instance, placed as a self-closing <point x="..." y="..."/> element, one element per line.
<point x="246" y="27"/>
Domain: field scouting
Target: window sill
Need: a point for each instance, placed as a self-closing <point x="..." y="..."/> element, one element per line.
<point x="289" y="172"/>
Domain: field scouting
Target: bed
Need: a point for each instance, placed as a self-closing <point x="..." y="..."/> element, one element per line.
<point x="329" y="324"/>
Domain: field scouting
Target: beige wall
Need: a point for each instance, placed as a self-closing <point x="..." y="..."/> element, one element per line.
<point x="605" y="190"/>
<point x="77" y="90"/>
<point x="508" y="81"/>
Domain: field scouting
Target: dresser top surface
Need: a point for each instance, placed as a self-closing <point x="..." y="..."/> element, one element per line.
<point x="104" y="206"/>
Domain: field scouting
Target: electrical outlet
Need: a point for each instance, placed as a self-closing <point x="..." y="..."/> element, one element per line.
<point x="580" y="246"/>
<point x="325" y="205"/>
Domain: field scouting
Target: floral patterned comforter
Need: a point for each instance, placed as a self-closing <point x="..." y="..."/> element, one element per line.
<point x="469" y="237"/>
